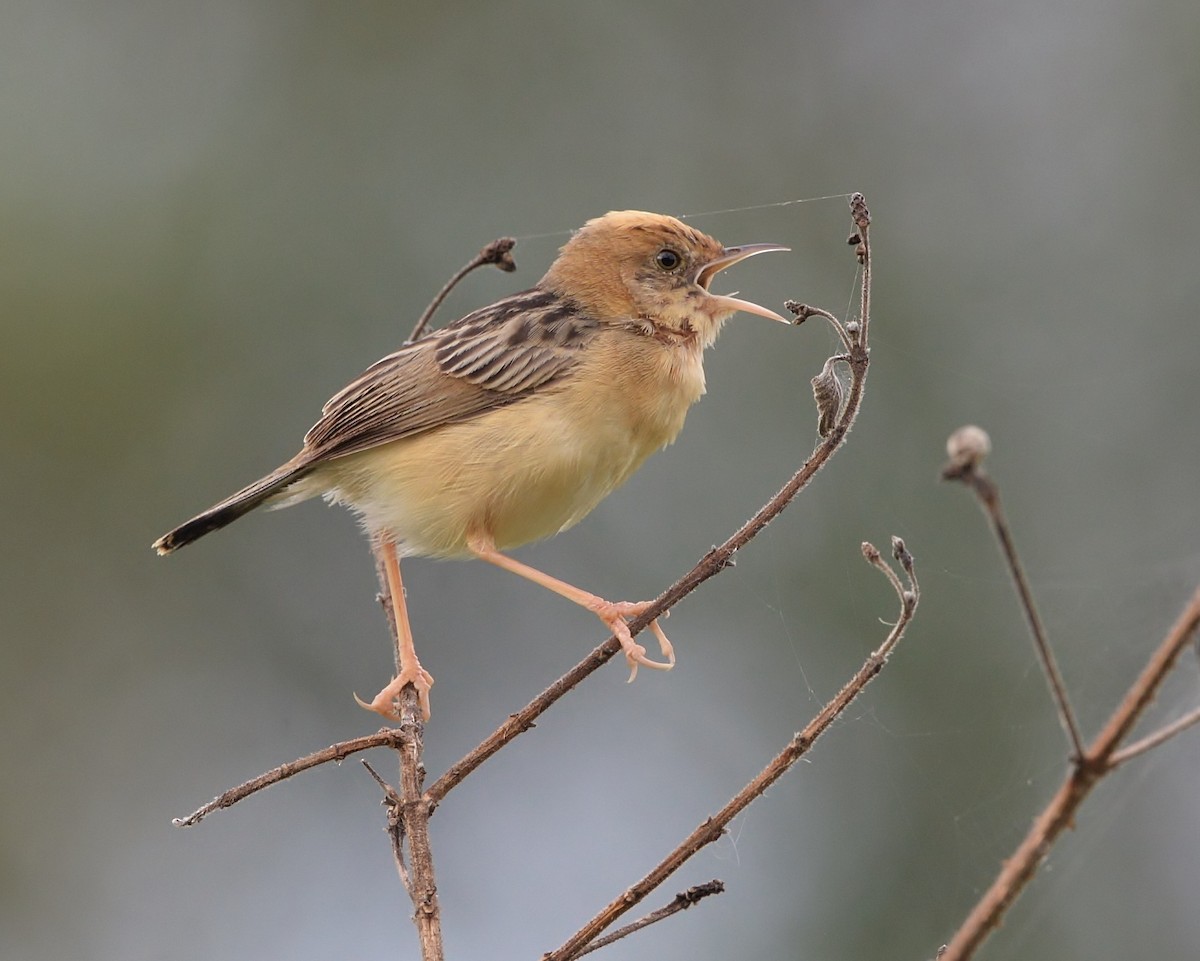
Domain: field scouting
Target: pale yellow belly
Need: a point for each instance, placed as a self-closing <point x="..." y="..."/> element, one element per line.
<point x="523" y="472"/>
<point x="518" y="474"/>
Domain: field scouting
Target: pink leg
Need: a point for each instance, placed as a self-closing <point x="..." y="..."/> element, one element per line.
<point x="612" y="613"/>
<point x="411" y="671"/>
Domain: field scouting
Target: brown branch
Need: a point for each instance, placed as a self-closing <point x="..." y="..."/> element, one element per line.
<point x="967" y="448"/>
<point x="385" y="737"/>
<point x="498" y="252"/>
<point x="681" y="902"/>
<point x="1097" y="760"/>
<point x="395" y="825"/>
<point x="408" y="815"/>
<point x="718" y="558"/>
<point x="414" y="819"/>
<point x="712" y="828"/>
<point x="1151" y="741"/>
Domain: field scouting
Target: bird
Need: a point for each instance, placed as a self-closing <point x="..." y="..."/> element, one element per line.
<point x="511" y="424"/>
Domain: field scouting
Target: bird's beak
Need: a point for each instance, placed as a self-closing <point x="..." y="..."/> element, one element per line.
<point x="729" y="257"/>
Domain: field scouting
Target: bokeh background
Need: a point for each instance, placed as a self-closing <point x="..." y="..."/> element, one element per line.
<point x="213" y="215"/>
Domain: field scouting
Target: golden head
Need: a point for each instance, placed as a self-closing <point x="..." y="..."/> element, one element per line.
<point x="632" y="264"/>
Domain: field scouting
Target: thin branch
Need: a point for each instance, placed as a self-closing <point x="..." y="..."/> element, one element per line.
<point x="712" y="828"/>
<point x="1151" y="741"/>
<point x="392" y="737"/>
<point x="395" y="825"/>
<point x="414" y="811"/>
<point x="718" y="558"/>
<point x="1100" y="758"/>
<point x="385" y="737"/>
<point x="967" y="450"/>
<point x="498" y="252"/>
<point x="408" y="815"/>
<point x="681" y="902"/>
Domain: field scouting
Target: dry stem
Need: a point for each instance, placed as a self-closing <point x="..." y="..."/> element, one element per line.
<point x="988" y="494"/>
<point x="498" y="252"/>
<point x="681" y="902"/>
<point x="385" y="737"/>
<point x="1151" y="741"/>
<point x="1088" y="765"/>
<point x="409" y="809"/>
<point x="1099" y="759"/>
<point x="712" y="828"/>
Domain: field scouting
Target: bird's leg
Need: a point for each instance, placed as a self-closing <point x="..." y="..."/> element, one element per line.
<point x="612" y="613"/>
<point x="411" y="671"/>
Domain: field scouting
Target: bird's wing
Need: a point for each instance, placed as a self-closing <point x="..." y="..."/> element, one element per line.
<point x="488" y="359"/>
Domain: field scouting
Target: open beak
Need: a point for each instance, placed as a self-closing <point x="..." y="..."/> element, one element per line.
<point x="728" y="258"/>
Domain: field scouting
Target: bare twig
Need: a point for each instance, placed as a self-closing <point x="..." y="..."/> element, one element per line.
<point x="386" y="737"/>
<point x="1151" y="741"/>
<point x="712" y="828"/>
<point x="498" y="252"/>
<point x="1097" y="760"/>
<point x="395" y="825"/>
<point x="414" y="819"/>
<point x="967" y="448"/>
<point x="408" y="815"/>
<point x="681" y="902"/>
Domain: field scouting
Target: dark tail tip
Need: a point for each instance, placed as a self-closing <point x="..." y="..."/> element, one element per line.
<point x="205" y="523"/>
<point x="230" y="509"/>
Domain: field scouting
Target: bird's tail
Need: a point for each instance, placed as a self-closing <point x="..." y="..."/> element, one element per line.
<point x="233" y="507"/>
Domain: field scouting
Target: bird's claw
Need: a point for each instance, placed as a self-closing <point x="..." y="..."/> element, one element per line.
<point x="613" y="614"/>
<point x="385" y="701"/>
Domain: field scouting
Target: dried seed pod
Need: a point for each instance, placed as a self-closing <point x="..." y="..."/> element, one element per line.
<point x="858" y="211"/>
<point x="967" y="447"/>
<point x="800" y="311"/>
<point x="827" y="392"/>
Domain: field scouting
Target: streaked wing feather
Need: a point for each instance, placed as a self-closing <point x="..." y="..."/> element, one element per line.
<point x="488" y="359"/>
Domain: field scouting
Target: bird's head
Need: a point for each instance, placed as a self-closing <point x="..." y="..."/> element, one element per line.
<point x="630" y="264"/>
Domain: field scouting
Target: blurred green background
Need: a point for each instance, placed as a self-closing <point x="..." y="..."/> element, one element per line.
<point x="213" y="215"/>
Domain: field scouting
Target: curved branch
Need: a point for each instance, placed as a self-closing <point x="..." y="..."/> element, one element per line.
<point x="712" y="828"/>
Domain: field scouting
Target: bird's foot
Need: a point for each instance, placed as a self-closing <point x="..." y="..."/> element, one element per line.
<point x="614" y="614"/>
<point x="385" y="701"/>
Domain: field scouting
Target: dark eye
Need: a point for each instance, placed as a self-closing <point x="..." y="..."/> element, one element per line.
<point x="667" y="259"/>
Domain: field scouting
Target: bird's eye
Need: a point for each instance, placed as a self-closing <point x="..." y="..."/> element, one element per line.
<point x="667" y="259"/>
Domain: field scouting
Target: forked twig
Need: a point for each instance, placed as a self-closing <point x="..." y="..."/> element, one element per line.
<point x="1099" y="759"/>
<point x="682" y="901"/>
<point x="712" y="828"/>
<point x="408" y="808"/>
<point x="1089" y="765"/>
